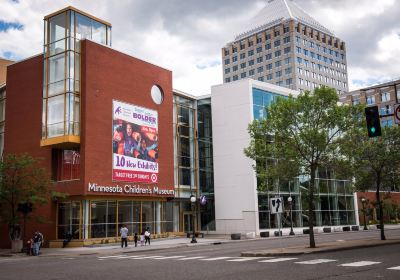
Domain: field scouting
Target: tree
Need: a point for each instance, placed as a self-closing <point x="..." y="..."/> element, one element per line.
<point x="307" y="134"/>
<point x="375" y="162"/>
<point x="23" y="185"/>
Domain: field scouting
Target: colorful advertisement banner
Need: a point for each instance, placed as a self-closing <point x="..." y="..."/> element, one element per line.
<point x="135" y="143"/>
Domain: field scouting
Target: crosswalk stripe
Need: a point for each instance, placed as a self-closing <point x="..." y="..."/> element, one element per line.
<point x="395" y="268"/>
<point x="317" y="261"/>
<point x="170" y="257"/>
<point x="110" y="257"/>
<point x="244" y="259"/>
<point x="358" y="264"/>
<point x="277" y="260"/>
<point x="191" y="258"/>
<point x="217" y="259"/>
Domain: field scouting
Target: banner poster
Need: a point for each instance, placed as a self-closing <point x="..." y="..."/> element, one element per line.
<point x="135" y="143"/>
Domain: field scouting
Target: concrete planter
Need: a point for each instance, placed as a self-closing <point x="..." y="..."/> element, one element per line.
<point x="306" y="231"/>
<point x="16" y="246"/>
<point x="278" y="233"/>
<point x="355" y="228"/>
<point x="235" y="236"/>
<point x="264" y="234"/>
<point x="346" y="228"/>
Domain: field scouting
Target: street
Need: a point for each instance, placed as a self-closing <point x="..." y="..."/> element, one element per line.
<point x="221" y="261"/>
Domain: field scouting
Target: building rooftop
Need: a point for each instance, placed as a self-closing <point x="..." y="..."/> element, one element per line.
<point x="277" y="11"/>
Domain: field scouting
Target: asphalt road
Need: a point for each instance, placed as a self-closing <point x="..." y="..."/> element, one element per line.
<point x="217" y="262"/>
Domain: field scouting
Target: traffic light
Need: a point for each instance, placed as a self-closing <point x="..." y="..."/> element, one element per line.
<point x="373" y="122"/>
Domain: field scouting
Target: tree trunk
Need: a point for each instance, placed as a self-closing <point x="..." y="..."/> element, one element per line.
<point x="311" y="207"/>
<point x="378" y="199"/>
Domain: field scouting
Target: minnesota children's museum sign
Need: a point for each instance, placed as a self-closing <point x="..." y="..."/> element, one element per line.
<point x="130" y="189"/>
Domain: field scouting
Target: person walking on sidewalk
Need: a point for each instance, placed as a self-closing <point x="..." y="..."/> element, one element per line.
<point x="37" y="241"/>
<point x="124" y="236"/>
<point x="135" y="239"/>
<point x="147" y="236"/>
<point x="142" y="238"/>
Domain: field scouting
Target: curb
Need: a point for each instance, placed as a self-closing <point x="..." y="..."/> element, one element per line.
<point x="319" y="250"/>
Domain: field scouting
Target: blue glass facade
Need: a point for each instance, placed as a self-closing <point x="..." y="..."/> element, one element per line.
<point x="261" y="100"/>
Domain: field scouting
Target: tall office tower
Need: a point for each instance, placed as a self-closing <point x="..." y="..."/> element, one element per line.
<point x="283" y="45"/>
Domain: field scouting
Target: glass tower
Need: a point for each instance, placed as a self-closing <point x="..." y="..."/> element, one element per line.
<point x="63" y="31"/>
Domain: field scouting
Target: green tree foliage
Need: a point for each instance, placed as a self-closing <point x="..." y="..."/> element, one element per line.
<point x="307" y="134"/>
<point x="23" y="183"/>
<point x="375" y="162"/>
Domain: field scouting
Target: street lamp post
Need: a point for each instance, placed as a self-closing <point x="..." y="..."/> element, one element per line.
<point x="193" y="205"/>
<point x="364" y="202"/>
<point x="291" y="216"/>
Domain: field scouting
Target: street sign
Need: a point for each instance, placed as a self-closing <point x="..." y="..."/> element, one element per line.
<point x="276" y="205"/>
<point x="397" y="113"/>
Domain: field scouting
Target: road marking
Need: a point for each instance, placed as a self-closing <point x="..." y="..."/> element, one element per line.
<point x="395" y="268"/>
<point x="358" y="264"/>
<point x="192" y="258"/>
<point x="170" y="257"/>
<point x="217" y="259"/>
<point x="278" y="260"/>
<point x="244" y="259"/>
<point x="317" y="261"/>
<point x="109" y="257"/>
<point x="146" y="257"/>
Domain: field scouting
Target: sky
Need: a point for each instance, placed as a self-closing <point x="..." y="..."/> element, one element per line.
<point x="186" y="36"/>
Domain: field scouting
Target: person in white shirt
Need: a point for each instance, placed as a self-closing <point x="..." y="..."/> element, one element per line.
<point x="124" y="236"/>
<point x="147" y="236"/>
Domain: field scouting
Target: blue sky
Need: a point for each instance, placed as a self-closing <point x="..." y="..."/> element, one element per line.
<point x="187" y="36"/>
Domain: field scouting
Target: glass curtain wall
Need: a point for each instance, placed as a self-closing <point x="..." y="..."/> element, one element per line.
<point x="69" y="220"/>
<point x="334" y="203"/>
<point x="61" y="89"/>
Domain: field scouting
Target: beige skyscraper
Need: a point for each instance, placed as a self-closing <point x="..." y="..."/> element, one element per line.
<point x="283" y="45"/>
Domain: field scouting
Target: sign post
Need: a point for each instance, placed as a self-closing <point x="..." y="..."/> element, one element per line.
<point x="397" y="113"/>
<point x="276" y="207"/>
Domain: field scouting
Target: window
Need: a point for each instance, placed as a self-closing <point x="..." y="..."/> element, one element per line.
<point x="306" y="62"/>
<point x="286" y="40"/>
<point x="251" y="43"/>
<point x="259" y="59"/>
<point x="250" y="52"/>
<point x="279" y="83"/>
<point x="398" y="95"/>
<point x="234" y="50"/>
<point x="251" y="72"/>
<point x="278" y="63"/>
<point x="268" y="66"/>
<point x="242" y="65"/>
<point x="227" y="61"/>
<point x="243" y="75"/>
<point x="289" y="81"/>
<point x="268" y="56"/>
<point x="267" y="46"/>
<point x="267" y="36"/>
<point x="259" y="40"/>
<point x="235" y="68"/>
<point x="235" y="77"/>
<point x="298" y="39"/>
<point x="259" y="49"/>
<point x="260" y="69"/>
<point x="318" y="56"/>
<point x="226" y="52"/>
<point x="227" y="70"/>
<point x="242" y="55"/>
<point x="277" y="43"/>
<point x="261" y="79"/>
<point x="65" y="165"/>
<point x="298" y="50"/>
<point x="278" y="74"/>
<point x="276" y="33"/>
<point x="299" y="60"/>
<point x="312" y="54"/>
<point x="242" y="46"/>
<point x="287" y="60"/>
<point x="387" y="122"/>
<point x="305" y="52"/>
<point x="385" y="96"/>
<point x="288" y="71"/>
<point x="234" y="58"/>
<point x="278" y="53"/>
<point x="251" y="62"/>
<point x="371" y="99"/>
<point x="227" y="80"/>
<point x="269" y="77"/>
<point x="286" y="29"/>
<point x="386" y="110"/>
<point x="286" y="50"/>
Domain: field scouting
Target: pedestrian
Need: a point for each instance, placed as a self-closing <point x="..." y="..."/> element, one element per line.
<point x="142" y="238"/>
<point x="147" y="236"/>
<point x="135" y="238"/>
<point x="124" y="236"/>
<point x="37" y="240"/>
